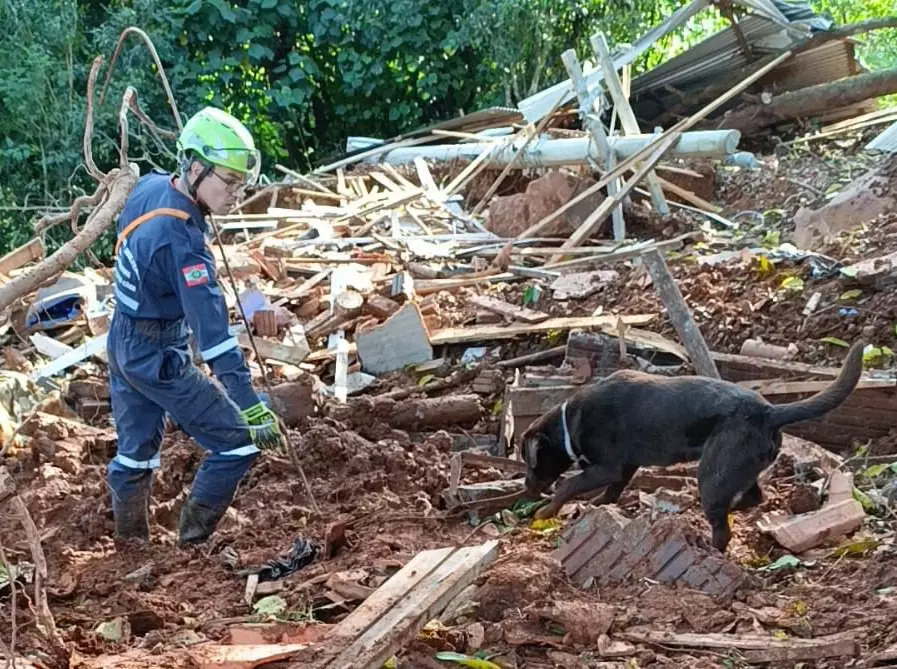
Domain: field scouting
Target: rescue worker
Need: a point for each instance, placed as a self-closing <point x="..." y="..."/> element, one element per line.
<point x="165" y="281"/>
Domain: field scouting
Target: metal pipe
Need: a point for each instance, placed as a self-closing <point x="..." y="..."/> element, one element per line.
<point x="556" y="152"/>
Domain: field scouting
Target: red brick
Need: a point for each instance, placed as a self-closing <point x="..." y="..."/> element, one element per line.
<point x="604" y="545"/>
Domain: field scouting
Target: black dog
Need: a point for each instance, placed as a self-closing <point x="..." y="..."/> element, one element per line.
<point x="632" y="419"/>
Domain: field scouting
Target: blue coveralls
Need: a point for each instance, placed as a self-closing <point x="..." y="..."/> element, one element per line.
<point x="164" y="281"/>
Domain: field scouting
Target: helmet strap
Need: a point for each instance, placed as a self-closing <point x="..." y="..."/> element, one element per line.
<point x="193" y="187"/>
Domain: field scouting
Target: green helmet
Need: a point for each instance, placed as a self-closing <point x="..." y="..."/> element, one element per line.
<point x="218" y="138"/>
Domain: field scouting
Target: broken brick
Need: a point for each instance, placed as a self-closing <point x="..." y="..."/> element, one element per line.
<point x="609" y="548"/>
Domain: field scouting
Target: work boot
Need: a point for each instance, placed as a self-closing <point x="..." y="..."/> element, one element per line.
<point x="197" y="522"/>
<point x="131" y="512"/>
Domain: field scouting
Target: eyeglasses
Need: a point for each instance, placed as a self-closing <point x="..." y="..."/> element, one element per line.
<point x="231" y="185"/>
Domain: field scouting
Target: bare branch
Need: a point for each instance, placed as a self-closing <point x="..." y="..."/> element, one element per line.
<point x="155" y="55"/>
<point x="863" y="27"/>
<point x="88" y="123"/>
<point x="159" y="133"/>
<point x="10" y="576"/>
<point x="123" y="125"/>
<point x="119" y="186"/>
<point x="73" y="213"/>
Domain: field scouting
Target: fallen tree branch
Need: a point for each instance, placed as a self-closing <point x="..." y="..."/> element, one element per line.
<point x="87" y="140"/>
<point x="120" y="183"/>
<point x="10" y="650"/>
<point x="869" y="25"/>
<point x="155" y="56"/>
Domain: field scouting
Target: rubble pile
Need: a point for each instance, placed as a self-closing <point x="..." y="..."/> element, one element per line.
<point x="414" y="312"/>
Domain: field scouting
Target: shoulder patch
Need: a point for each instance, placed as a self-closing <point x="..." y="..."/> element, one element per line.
<point x="195" y="275"/>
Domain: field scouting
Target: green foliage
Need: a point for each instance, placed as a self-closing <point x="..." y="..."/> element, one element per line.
<point x="302" y="75"/>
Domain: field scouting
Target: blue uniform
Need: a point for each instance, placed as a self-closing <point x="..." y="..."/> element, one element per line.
<point x="165" y="281"/>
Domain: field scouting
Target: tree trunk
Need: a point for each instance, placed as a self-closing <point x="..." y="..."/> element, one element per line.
<point x="811" y="101"/>
<point x="100" y="219"/>
<point x="411" y="415"/>
<point x="867" y="197"/>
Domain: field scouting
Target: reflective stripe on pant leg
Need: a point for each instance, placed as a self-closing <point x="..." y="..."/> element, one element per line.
<point x="153" y="463"/>
<point x="139" y="424"/>
<point x="203" y="411"/>
<point x="248" y="449"/>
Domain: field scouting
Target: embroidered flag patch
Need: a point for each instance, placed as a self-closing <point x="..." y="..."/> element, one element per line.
<point x="195" y="275"/>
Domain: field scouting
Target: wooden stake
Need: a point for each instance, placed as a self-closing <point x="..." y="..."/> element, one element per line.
<point x="653" y="153"/>
<point x="627" y="116"/>
<point x="679" y="314"/>
<point x="592" y="122"/>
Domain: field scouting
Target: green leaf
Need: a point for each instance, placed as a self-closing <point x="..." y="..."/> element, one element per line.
<point x="224" y="10"/>
<point x="272" y="605"/>
<point x="425" y="379"/>
<point x="877" y="470"/>
<point x="850" y="294"/>
<point x="850" y="272"/>
<point x="786" y="561"/>
<point x="793" y="284"/>
<point x="860" y="547"/>
<point x="835" y="342"/>
<point x="269" y="4"/>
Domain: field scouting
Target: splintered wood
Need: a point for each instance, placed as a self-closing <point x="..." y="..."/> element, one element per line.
<point x="397" y="611"/>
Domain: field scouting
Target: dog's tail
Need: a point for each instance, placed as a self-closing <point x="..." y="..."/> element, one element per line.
<point x="826" y="400"/>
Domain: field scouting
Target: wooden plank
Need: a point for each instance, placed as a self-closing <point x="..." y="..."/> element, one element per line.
<point x="755" y="647"/>
<point x="491" y="332"/>
<point x="680" y="315"/>
<point x="214" y="656"/>
<point x="29" y="252"/>
<point x="95" y="346"/>
<point x="426" y="179"/>
<point x="402" y="623"/>
<point x="534" y="402"/>
<point x="652" y="153"/>
<point x="779" y="387"/>
<point x="387" y="596"/>
<point x="275" y="350"/>
<point x="304" y="288"/>
<point x="627" y="116"/>
<point x="511" y="311"/>
<point x="386" y="182"/>
<point x="593" y="124"/>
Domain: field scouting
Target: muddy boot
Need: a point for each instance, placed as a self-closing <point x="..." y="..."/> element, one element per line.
<point x="197" y="522"/>
<point x="131" y="512"/>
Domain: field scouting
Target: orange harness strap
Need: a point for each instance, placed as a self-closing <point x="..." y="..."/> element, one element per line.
<point x="140" y="220"/>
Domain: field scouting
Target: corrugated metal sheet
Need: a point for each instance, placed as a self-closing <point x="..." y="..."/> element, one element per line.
<point x="886" y="141"/>
<point x="717" y="55"/>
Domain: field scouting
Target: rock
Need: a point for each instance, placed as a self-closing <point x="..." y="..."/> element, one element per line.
<point x="113" y="630"/>
<point x="512" y="214"/>
<point x="293" y="401"/>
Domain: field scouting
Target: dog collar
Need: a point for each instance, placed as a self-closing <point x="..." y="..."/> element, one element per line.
<point x="568" y="443"/>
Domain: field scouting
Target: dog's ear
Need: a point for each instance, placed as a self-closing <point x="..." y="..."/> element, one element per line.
<point x="530" y="451"/>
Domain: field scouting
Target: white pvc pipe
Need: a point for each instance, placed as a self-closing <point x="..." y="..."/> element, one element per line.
<point x="555" y="152"/>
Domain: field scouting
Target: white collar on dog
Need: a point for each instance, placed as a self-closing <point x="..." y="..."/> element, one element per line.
<point x="568" y="443"/>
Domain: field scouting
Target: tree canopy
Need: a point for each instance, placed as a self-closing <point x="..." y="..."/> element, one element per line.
<point x="302" y="75"/>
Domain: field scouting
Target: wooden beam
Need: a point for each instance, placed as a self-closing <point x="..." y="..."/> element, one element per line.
<point x="755" y="647"/>
<point x="679" y="314"/>
<point x="491" y="332"/>
<point x="511" y="311"/>
<point x="592" y="122"/>
<point x="627" y="116"/>
<point x="29" y="252"/>
<point x="652" y="153"/>
<point x="397" y="611"/>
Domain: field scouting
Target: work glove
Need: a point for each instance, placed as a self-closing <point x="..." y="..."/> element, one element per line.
<point x="263" y="426"/>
